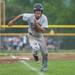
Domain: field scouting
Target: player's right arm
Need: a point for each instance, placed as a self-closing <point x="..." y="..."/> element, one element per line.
<point x="15" y="19"/>
<point x="24" y="16"/>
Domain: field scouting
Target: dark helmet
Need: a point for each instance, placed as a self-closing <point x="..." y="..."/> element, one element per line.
<point x="38" y="7"/>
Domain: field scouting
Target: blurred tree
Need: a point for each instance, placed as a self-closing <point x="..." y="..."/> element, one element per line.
<point x="57" y="11"/>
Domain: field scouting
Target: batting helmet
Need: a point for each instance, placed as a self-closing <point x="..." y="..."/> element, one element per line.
<point x="38" y="7"/>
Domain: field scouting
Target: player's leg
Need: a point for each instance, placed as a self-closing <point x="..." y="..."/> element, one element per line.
<point x="44" y="62"/>
<point x="35" y="47"/>
<point x="35" y="55"/>
<point x="44" y="53"/>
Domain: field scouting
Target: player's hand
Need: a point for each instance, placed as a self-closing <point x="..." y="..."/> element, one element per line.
<point x="36" y="21"/>
<point x="11" y="23"/>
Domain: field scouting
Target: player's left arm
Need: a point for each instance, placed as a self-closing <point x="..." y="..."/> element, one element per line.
<point x="44" y="26"/>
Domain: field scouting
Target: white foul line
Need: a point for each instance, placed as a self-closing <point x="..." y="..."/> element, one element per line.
<point x="30" y="67"/>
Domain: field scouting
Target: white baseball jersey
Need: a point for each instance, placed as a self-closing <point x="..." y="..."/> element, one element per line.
<point x="30" y="19"/>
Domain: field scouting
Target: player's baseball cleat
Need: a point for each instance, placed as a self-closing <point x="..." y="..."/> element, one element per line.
<point x="36" y="58"/>
<point x="44" y="69"/>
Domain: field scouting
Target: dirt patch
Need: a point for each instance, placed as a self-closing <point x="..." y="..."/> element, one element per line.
<point x="62" y="56"/>
<point x="27" y="57"/>
<point x="6" y="59"/>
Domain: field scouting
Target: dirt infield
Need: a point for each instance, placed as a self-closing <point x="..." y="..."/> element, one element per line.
<point x="27" y="57"/>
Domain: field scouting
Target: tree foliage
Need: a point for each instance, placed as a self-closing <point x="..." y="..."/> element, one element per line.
<point x="57" y="11"/>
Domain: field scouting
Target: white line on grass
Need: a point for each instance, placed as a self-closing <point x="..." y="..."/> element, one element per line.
<point x="30" y="67"/>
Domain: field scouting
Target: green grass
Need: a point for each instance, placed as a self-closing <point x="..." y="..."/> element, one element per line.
<point x="55" y="68"/>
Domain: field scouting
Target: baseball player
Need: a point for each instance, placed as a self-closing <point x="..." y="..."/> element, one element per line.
<point x="37" y="25"/>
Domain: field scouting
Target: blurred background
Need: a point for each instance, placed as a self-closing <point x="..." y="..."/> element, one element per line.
<point x="61" y="17"/>
<point x="57" y="11"/>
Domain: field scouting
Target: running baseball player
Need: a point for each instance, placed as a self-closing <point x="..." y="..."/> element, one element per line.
<point x="37" y="25"/>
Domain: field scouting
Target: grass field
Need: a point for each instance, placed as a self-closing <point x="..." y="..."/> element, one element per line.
<point x="31" y="68"/>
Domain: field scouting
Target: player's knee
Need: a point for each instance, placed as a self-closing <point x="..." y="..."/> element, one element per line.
<point x="45" y="55"/>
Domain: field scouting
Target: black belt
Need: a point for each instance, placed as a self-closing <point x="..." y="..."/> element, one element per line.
<point x="30" y="33"/>
<point x="34" y="35"/>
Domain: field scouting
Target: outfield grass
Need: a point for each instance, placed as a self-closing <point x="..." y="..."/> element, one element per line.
<point x="55" y="68"/>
